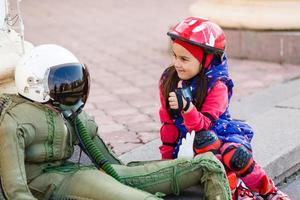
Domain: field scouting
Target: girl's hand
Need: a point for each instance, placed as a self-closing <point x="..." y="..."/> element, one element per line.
<point x="179" y="85"/>
<point x="173" y="101"/>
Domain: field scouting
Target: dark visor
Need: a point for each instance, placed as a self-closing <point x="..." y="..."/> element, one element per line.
<point x="69" y="83"/>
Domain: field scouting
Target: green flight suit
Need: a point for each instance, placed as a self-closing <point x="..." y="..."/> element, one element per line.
<point x="36" y="143"/>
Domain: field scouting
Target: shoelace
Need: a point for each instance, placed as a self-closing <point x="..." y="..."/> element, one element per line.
<point x="244" y="192"/>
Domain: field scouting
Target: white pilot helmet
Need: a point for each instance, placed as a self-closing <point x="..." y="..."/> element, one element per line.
<point x="51" y="72"/>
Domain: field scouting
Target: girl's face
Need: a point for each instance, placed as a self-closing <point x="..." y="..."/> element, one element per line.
<point x="186" y="65"/>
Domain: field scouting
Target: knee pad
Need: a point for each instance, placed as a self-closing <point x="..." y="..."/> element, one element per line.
<point x="206" y="141"/>
<point x="238" y="159"/>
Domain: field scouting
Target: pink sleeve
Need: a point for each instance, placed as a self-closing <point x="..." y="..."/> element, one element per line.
<point x="214" y="105"/>
<point x="163" y="113"/>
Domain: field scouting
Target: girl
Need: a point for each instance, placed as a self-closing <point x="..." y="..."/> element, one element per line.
<point x="195" y="93"/>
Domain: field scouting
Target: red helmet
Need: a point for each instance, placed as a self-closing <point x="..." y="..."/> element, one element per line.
<point x="200" y="32"/>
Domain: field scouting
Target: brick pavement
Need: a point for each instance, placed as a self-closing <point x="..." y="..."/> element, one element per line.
<point x="126" y="48"/>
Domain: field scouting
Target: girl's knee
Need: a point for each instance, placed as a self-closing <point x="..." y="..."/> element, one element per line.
<point x="206" y="141"/>
<point x="239" y="159"/>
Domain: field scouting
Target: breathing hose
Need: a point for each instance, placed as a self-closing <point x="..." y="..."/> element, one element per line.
<point x="95" y="154"/>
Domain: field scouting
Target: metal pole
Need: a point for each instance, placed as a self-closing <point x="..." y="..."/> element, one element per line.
<point x="3" y="12"/>
<point x="21" y="26"/>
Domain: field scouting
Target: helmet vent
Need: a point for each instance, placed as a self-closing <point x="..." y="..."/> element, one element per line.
<point x="198" y="28"/>
<point x="30" y="80"/>
<point x="211" y="40"/>
<point x="26" y="89"/>
<point x="191" y="23"/>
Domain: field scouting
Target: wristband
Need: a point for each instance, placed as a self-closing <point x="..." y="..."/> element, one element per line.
<point x="188" y="102"/>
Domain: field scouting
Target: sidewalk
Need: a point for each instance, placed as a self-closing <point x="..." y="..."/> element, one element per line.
<point x="126" y="48"/>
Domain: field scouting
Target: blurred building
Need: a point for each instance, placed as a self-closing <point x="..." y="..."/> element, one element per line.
<point x="12" y="44"/>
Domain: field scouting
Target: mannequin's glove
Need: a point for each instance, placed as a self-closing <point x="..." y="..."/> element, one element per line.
<point x="186" y="148"/>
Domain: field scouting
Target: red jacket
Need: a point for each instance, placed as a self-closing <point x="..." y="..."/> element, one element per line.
<point x="215" y="104"/>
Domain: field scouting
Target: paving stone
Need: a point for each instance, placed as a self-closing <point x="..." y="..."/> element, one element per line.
<point x="139" y="127"/>
<point x="113" y="105"/>
<point x="101" y="99"/>
<point x="135" y="118"/>
<point x="121" y="142"/>
<point x="147" y="136"/>
<point x="151" y="110"/>
<point x="111" y="127"/>
<point x="126" y="90"/>
<point x="120" y="137"/>
<point x="123" y="112"/>
<point x="89" y="106"/>
<point x="105" y="120"/>
<point x="140" y="103"/>
<point x="121" y="148"/>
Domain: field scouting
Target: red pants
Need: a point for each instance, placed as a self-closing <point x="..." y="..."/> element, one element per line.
<point x="257" y="180"/>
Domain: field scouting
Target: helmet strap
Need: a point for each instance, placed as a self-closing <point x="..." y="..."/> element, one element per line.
<point x="204" y="59"/>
